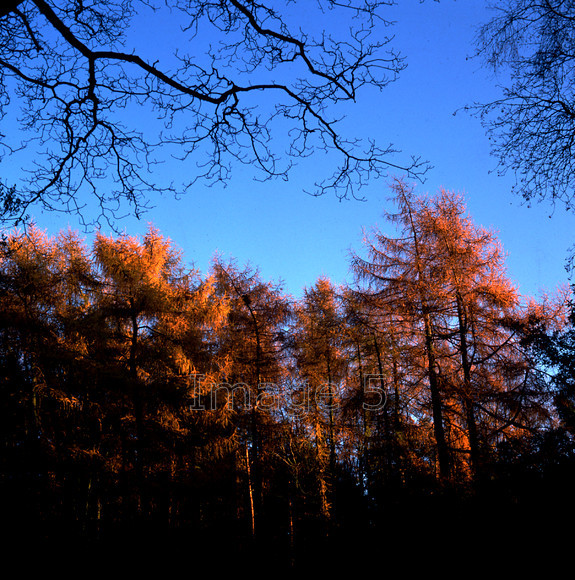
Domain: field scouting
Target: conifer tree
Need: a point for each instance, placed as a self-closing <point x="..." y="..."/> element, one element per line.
<point x="445" y="277"/>
<point x="318" y="349"/>
<point x="251" y="353"/>
<point x="400" y="272"/>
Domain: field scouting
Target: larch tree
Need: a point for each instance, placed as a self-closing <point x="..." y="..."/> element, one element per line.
<point x="251" y="353"/>
<point x="548" y="333"/>
<point x="382" y="350"/>
<point x="399" y="272"/>
<point x="33" y="321"/>
<point x="46" y="295"/>
<point x="321" y="364"/>
<point x="446" y="277"/>
<point x="470" y="269"/>
<point x="141" y="282"/>
<point x="500" y="386"/>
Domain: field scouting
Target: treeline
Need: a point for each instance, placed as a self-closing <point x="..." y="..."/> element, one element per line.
<point x="137" y="394"/>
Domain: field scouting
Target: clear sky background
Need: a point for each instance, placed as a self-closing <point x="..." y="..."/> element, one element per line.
<point x="294" y="237"/>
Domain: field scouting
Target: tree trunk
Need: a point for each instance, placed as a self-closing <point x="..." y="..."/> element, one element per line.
<point x="436" y="399"/>
<point x="323" y="483"/>
<point x="136" y="395"/>
<point x="467" y="395"/>
<point x="443" y="456"/>
<point x="256" y="472"/>
<point x="251" y="493"/>
<point x="387" y="444"/>
<point x="363" y="451"/>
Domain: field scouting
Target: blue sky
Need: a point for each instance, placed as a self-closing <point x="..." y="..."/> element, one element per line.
<point x="294" y="237"/>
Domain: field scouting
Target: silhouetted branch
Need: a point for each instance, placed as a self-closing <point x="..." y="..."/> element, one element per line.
<point x="70" y="70"/>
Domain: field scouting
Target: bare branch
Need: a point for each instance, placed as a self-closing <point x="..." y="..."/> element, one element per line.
<point x="69" y="70"/>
